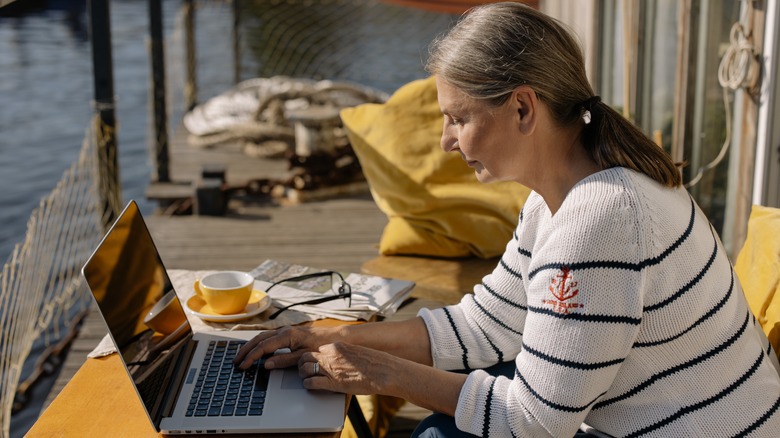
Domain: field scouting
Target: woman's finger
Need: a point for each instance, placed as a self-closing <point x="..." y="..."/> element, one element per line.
<point x="245" y="349"/>
<point x="319" y="382"/>
<point x="309" y="369"/>
<point x="265" y="344"/>
<point x="313" y="369"/>
<point x="283" y="359"/>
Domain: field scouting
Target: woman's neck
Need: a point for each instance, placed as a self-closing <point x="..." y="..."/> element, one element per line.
<point x="565" y="162"/>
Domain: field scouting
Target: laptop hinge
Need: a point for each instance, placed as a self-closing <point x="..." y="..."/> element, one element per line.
<point x="180" y="368"/>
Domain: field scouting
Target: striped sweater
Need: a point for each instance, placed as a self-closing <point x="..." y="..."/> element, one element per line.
<point x="621" y="311"/>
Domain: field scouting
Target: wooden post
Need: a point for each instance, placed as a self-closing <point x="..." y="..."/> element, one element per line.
<point x="158" y="91"/>
<point x="744" y="152"/>
<point x="105" y="121"/>
<point x="191" y="81"/>
<point x="684" y="79"/>
<point x="236" y="43"/>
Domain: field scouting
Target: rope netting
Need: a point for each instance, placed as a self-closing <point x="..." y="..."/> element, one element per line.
<point x="41" y="292"/>
<point x="373" y="43"/>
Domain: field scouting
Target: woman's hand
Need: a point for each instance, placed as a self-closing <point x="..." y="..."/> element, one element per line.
<point x="297" y="339"/>
<point x="348" y="368"/>
<point x="353" y="369"/>
<point x="406" y="339"/>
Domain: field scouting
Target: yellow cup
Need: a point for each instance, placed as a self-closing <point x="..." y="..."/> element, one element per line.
<point x="166" y="315"/>
<point x="226" y="292"/>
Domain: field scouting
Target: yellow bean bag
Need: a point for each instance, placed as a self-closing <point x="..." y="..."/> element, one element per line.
<point x="758" y="270"/>
<point x="434" y="203"/>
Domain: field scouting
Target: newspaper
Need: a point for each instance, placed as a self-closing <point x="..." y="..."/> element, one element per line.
<point x="371" y="295"/>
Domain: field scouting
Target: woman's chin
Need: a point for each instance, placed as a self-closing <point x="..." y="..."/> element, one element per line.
<point x="484" y="176"/>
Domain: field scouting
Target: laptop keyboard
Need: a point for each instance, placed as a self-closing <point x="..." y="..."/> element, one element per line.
<point x="222" y="389"/>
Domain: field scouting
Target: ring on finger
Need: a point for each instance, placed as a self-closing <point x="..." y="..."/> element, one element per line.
<point x="316" y="368"/>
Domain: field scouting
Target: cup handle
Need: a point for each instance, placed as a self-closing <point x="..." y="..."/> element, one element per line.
<point x="197" y="288"/>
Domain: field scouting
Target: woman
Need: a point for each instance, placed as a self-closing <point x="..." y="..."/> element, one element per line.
<point x="614" y="303"/>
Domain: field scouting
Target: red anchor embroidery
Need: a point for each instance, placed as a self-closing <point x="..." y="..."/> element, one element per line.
<point x="564" y="288"/>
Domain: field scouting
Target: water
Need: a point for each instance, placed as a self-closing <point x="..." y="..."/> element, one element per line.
<point x="46" y="90"/>
<point x="46" y="87"/>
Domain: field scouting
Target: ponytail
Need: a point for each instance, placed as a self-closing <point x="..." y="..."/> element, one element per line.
<point x="613" y="141"/>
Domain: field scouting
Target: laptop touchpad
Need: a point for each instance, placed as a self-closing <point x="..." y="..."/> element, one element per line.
<point x="291" y="379"/>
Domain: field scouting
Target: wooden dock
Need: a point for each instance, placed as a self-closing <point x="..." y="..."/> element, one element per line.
<point x="339" y="233"/>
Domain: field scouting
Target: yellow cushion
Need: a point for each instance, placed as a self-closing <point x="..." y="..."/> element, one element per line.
<point x="758" y="270"/>
<point x="434" y="203"/>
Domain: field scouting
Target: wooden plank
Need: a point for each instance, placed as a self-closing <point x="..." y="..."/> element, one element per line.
<point x="169" y="191"/>
<point x="337" y="234"/>
<point x="187" y="161"/>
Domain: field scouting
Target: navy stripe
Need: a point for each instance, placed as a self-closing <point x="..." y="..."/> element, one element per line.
<point x="589" y="265"/>
<point x="705" y="317"/>
<point x="690" y="284"/>
<point x="658" y="376"/>
<point x="486" y="419"/>
<point x="495" y="348"/>
<point x="761" y="420"/>
<point x="556" y="406"/>
<point x="607" y="264"/>
<point x="510" y="270"/>
<point x="524" y="252"/>
<point x="703" y="403"/>
<point x="501" y="298"/>
<point x="680" y="240"/>
<point x="587" y="318"/>
<point x="457" y="336"/>
<point x="571" y="363"/>
<point x="494" y="319"/>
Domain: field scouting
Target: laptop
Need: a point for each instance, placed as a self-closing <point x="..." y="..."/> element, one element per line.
<point x="186" y="380"/>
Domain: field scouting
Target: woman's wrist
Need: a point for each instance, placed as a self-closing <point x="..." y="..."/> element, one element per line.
<point x="319" y="336"/>
<point x="425" y="386"/>
<point x="407" y="339"/>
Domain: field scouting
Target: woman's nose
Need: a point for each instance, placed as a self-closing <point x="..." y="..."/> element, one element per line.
<point x="448" y="141"/>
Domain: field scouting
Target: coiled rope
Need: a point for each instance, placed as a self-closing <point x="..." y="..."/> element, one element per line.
<point x="739" y="68"/>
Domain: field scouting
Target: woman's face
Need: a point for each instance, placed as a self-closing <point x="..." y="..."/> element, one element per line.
<point x="483" y="134"/>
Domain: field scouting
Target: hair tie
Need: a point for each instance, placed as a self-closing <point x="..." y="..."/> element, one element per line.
<point x="588" y="106"/>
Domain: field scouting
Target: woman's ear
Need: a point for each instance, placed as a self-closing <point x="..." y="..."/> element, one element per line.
<point x="526" y="103"/>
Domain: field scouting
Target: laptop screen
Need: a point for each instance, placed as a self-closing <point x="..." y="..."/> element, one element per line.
<point x="127" y="278"/>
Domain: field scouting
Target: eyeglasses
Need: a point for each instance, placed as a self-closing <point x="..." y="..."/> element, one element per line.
<point x="344" y="290"/>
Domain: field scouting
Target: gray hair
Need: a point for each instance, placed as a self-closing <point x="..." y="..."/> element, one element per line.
<point x="497" y="47"/>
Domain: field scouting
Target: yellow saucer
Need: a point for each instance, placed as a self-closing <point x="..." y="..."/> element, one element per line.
<point x="258" y="302"/>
